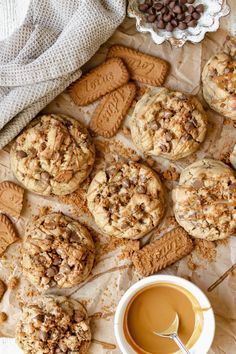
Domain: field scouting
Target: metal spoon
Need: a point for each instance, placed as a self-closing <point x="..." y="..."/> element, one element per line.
<point x="172" y="332"/>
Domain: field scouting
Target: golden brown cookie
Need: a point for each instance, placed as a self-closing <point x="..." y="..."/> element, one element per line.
<point x="98" y="82"/>
<point x="109" y="114"/>
<point x="170" y="248"/>
<point x="7" y="233"/>
<point x="142" y="67"/>
<point x="11" y="198"/>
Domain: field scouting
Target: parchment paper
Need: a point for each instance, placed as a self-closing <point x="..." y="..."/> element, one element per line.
<point x="113" y="275"/>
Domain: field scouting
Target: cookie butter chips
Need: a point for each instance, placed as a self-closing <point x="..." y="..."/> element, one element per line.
<point x="126" y="201"/>
<point x="54" y="325"/>
<point x="168" y="124"/>
<point x="219" y="81"/>
<point x="53" y="155"/>
<point x="205" y="200"/>
<point x="57" y="252"/>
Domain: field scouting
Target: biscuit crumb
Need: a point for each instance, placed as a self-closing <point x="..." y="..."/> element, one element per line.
<point x="206" y="249"/>
<point x="3" y="317"/>
<point x="171" y="174"/>
<point x="3" y="288"/>
<point x="13" y="283"/>
<point x="191" y="265"/>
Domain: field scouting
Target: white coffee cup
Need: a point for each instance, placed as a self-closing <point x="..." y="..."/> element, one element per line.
<point x="204" y="342"/>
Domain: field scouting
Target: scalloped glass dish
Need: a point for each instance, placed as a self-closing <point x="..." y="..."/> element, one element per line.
<point x="209" y="22"/>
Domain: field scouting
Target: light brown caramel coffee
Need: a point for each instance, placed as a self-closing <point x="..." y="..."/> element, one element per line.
<point x="153" y="309"/>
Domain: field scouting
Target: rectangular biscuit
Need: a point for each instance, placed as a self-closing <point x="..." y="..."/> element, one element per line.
<point x="109" y="114"/>
<point x="159" y="254"/>
<point x="142" y="67"/>
<point x="98" y="82"/>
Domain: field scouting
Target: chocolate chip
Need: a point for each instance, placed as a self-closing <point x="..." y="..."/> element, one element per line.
<point x="21" y="154"/>
<point x="188" y="19"/>
<point x="143" y="7"/>
<point x="172" y="5"/>
<point x="196" y="15"/>
<point x="182" y="25"/>
<point x="141" y="189"/>
<point x="113" y="188"/>
<point x="168" y="136"/>
<point x="184" y="8"/>
<point x="192" y="23"/>
<point x="191" y="9"/>
<point x="169" y="27"/>
<point x="180" y="17"/>
<point x="125" y="225"/>
<point x="151" y="18"/>
<point x="158" y="6"/>
<point x="56" y="261"/>
<point x="165" y="148"/>
<point x="126" y="183"/>
<point x="177" y="9"/>
<point x="164" y="10"/>
<point x="174" y="23"/>
<point x="199" y="8"/>
<point x="190" y="1"/>
<point x="74" y="237"/>
<point x="78" y="316"/>
<point x="51" y="272"/>
<point x="45" y="176"/>
<point x="198" y="184"/>
<point x="161" y="24"/>
<point x="154" y="125"/>
<point x="43" y="336"/>
<point x="189" y="126"/>
<point x="166" y="2"/>
<point x="182" y="2"/>
<point x="167" y="18"/>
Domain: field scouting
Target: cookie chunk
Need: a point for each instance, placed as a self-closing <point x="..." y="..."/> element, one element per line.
<point x="205" y="200"/>
<point x="219" y="81"/>
<point x="53" y="325"/>
<point x="53" y="155"/>
<point x="168" y="124"/>
<point x="126" y="201"/>
<point x="57" y="252"/>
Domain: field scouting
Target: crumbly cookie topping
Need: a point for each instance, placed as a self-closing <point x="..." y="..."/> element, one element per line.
<point x="54" y="325"/>
<point x="205" y="200"/>
<point x="53" y="155"/>
<point x="126" y="201"/>
<point x="58" y="252"/>
<point x="169" y="124"/>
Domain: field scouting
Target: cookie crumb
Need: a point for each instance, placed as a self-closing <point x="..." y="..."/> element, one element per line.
<point x="3" y="288"/>
<point x="171" y="174"/>
<point x="3" y="317"/>
<point x="206" y="249"/>
<point x="191" y="265"/>
<point x="13" y="283"/>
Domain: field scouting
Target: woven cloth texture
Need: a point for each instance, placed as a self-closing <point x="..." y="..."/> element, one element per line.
<point x="44" y="55"/>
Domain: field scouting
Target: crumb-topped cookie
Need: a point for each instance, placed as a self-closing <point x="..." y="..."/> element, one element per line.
<point x="219" y="81"/>
<point x="126" y="201"/>
<point x="169" y="124"/>
<point x="53" y="155"/>
<point x="57" y="252"/>
<point x="53" y="325"/>
<point x="205" y="200"/>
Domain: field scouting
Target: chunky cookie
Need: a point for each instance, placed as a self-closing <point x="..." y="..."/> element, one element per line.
<point x="205" y="200"/>
<point x="126" y="201"/>
<point x="53" y="155"/>
<point x="98" y="82"/>
<point x="53" y="325"/>
<point x="57" y="252"/>
<point x="219" y="81"/>
<point x="168" y="124"/>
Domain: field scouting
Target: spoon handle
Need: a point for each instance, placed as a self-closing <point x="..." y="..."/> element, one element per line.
<point x="180" y="344"/>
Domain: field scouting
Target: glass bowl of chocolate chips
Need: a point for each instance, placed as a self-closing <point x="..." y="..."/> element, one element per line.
<point x="177" y="21"/>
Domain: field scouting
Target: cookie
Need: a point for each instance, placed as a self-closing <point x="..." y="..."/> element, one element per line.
<point x="157" y="255"/>
<point x="233" y="157"/>
<point x="205" y="200"/>
<point x="11" y="198"/>
<point x="109" y="114"/>
<point x="219" y="81"/>
<point x="7" y="233"/>
<point x="126" y="201"/>
<point x="98" y="82"/>
<point x="53" y="155"/>
<point x="3" y="289"/>
<point x="142" y="67"/>
<point x="169" y="124"/>
<point x="57" y="252"/>
<point x="53" y="325"/>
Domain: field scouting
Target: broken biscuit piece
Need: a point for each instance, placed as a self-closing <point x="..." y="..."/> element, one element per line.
<point x="11" y="198"/>
<point x="7" y="233"/>
<point x="159" y="254"/>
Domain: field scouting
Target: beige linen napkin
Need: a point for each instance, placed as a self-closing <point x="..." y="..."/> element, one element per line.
<point x="41" y="58"/>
